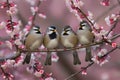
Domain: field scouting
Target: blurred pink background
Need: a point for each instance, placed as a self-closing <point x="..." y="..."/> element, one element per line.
<point x="58" y="14"/>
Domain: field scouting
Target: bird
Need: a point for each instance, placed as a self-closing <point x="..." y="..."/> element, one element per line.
<point x="86" y="37"/>
<point x="33" y="40"/>
<point x="69" y="39"/>
<point x="50" y="41"/>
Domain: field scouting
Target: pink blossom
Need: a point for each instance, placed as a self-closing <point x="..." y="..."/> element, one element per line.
<point x="105" y="2"/>
<point x="31" y="2"/>
<point x="18" y="61"/>
<point x="8" y="76"/>
<point x="78" y="3"/>
<point x="42" y="15"/>
<point x="90" y="15"/>
<point x="18" y="42"/>
<point x="84" y="72"/>
<point x="102" y="52"/>
<point x="99" y="59"/>
<point x="114" y="44"/>
<point x="49" y="78"/>
<point x="13" y="10"/>
<point x="110" y="19"/>
<point x="8" y="63"/>
<point x="9" y="44"/>
<point x="55" y="58"/>
<point x="2" y="25"/>
<point x="39" y="73"/>
<point x="34" y="10"/>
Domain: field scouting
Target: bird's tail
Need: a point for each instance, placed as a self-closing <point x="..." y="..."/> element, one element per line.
<point x="48" y="60"/>
<point x="88" y="56"/>
<point x="76" y="59"/>
<point x="27" y="58"/>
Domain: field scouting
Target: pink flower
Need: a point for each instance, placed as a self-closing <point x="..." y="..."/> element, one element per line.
<point x="49" y="78"/>
<point x="9" y="44"/>
<point x="39" y="73"/>
<point x="105" y="2"/>
<point x="84" y="72"/>
<point x="31" y="2"/>
<point x="13" y="10"/>
<point x="42" y="15"/>
<point x="8" y="63"/>
<point x="90" y="15"/>
<point x="55" y="58"/>
<point x="34" y="10"/>
<point x="8" y="76"/>
<point x="114" y="44"/>
<point x="99" y="59"/>
<point x="18" y="42"/>
<point x="111" y="19"/>
<point x="2" y="25"/>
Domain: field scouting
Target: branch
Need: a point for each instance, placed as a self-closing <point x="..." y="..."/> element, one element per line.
<point x="11" y="22"/>
<point x="112" y="27"/>
<point x="89" y="65"/>
<point x="74" y="48"/>
<point x="34" y="16"/>
<point x="106" y="12"/>
<point x="18" y="53"/>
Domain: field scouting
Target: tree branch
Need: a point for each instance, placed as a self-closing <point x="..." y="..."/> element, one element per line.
<point x="56" y="50"/>
<point x="34" y="16"/>
<point x="89" y="65"/>
<point x="115" y="24"/>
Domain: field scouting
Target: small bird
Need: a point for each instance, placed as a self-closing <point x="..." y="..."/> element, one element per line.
<point x="69" y="40"/>
<point x="86" y="37"/>
<point x="34" y="39"/>
<point x="51" y="41"/>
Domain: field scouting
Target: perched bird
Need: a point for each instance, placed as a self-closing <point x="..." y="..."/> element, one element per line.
<point x="86" y="37"/>
<point x="33" y="40"/>
<point x="69" y="40"/>
<point x="51" y="41"/>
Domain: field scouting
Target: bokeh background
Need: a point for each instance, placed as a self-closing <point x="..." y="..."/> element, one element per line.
<point x="58" y="14"/>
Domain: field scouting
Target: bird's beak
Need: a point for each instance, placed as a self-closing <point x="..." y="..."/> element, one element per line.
<point x="80" y="27"/>
<point x="39" y="30"/>
<point x="54" y="30"/>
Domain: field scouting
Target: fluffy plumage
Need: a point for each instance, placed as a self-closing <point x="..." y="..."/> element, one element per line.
<point x="69" y="40"/>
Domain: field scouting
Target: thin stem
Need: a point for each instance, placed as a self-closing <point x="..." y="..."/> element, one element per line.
<point x="89" y="65"/>
<point x="112" y="27"/>
<point x="34" y="16"/>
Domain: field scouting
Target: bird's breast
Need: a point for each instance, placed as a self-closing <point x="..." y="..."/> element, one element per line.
<point x="52" y="44"/>
<point x="67" y="43"/>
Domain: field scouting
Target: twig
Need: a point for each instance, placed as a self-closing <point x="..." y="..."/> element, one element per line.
<point x="112" y="27"/>
<point x="85" y="16"/>
<point x="89" y="65"/>
<point x="106" y="12"/>
<point x="80" y="71"/>
<point x="11" y="22"/>
<point x="3" y="71"/>
<point x="34" y="16"/>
